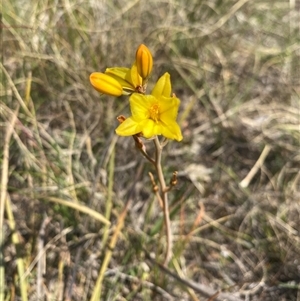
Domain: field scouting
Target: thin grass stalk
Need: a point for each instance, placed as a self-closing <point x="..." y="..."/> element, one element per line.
<point x="96" y="295"/>
<point x="15" y="91"/>
<point x="4" y="181"/>
<point x="5" y="201"/>
<point x="81" y="208"/>
<point x="191" y="292"/>
<point x="16" y="242"/>
<point x="71" y="149"/>
<point x="108" y="254"/>
<point x="109" y="195"/>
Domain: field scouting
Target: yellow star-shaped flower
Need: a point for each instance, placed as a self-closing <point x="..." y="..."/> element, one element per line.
<point x="153" y="114"/>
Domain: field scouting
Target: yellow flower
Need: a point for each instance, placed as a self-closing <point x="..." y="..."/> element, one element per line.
<point x="144" y="62"/>
<point x="106" y="84"/>
<point x="153" y="114"/>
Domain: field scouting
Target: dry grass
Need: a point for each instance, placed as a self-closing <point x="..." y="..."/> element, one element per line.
<point x="235" y="211"/>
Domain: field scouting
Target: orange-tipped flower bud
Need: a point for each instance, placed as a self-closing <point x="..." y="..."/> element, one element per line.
<point x="106" y="84"/>
<point x="144" y="61"/>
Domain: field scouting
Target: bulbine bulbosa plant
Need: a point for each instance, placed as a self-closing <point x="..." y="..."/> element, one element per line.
<point x="152" y="116"/>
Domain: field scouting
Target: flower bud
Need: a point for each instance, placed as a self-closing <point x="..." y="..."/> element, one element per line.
<point x="121" y="118"/>
<point x="144" y="61"/>
<point x="106" y="84"/>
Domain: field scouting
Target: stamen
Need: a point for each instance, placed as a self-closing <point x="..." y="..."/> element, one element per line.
<point x="154" y="112"/>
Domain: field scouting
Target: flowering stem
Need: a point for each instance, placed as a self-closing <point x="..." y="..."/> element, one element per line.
<point x="164" y="197"/>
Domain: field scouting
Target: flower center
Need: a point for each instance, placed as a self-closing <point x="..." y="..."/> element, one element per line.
<point x="154" y="112"/>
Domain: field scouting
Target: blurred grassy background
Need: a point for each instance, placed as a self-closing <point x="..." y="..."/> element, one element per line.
<point x="235" y="67"/>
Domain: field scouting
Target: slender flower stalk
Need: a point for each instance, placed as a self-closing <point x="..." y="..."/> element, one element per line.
<point x="164" y="197"/>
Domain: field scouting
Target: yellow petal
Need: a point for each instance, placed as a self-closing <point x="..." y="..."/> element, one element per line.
<point x="139" y="105"/>
<point x="168" y="108"/>
<point x="172" y="131"/>
<point x="162" y="86"/>
<point x="105" y="84"/>
<point x="128" y="127"/>
<point x="122" y="75"/>
<point x="117" y="72"/>
<point x="150" y="128"/>
<point x="144" y="61"/>
<point x="134" y="77"/>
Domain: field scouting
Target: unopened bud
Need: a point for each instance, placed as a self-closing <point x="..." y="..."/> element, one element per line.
<point x="173" y="181"/>
<point x="106" y="84"/>
<point x="121" y="118"/>
<point x="144" y="61"/>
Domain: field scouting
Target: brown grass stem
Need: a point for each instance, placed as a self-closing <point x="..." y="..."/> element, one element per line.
<point x="109" y="203"/>
<point x="203" y="289"/>
<point x="81" y="208"/>
<point x="258" y="164"/>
